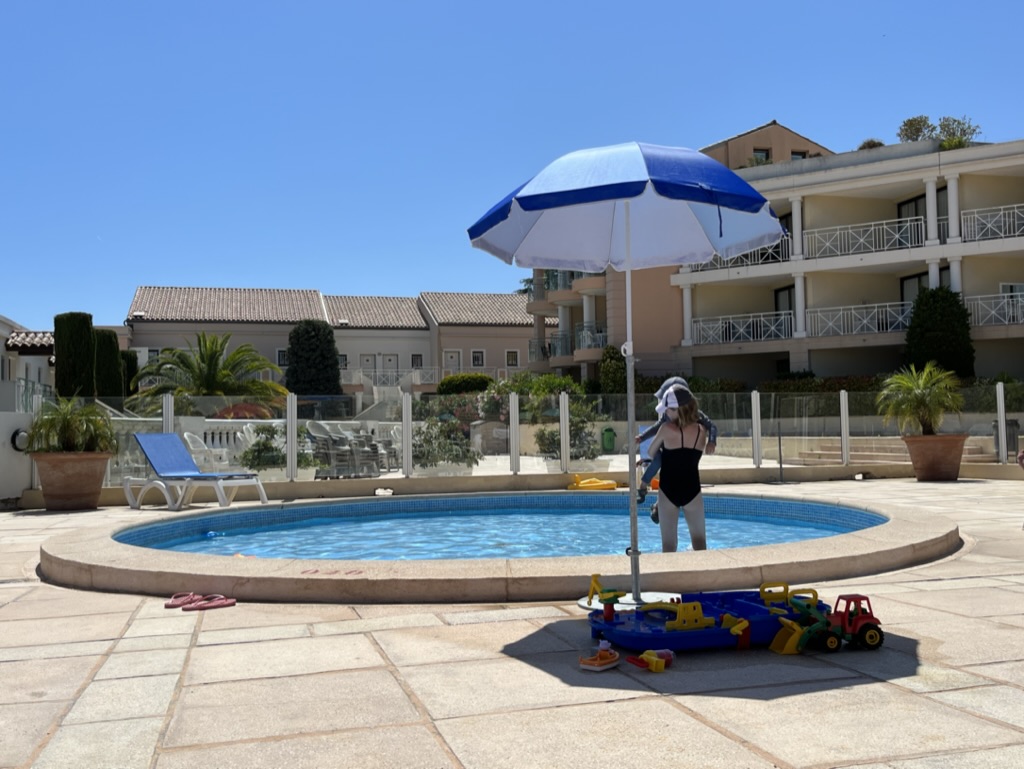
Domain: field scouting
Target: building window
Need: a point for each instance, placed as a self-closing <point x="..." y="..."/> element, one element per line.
<point x="512" y="358"/>
<point x="417" y="360"/>
<point x="910" y="285"/>
<point x="282" y="358"/>
<point x="762" y="155"/>
<point x="342" y="361"/>
<point x="784" y="299"/>
<point x="477" y="357"/>
<point x="798" y="155"/>
<point x="151" y="354"/>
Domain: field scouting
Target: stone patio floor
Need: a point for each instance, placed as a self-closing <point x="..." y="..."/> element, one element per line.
<point x="118" y="681"/>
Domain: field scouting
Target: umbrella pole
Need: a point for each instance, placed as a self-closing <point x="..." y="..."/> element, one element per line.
<point x="627" y="349"/>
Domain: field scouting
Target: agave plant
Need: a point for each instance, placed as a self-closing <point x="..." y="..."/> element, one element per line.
<point x="920" y="396"/>
<point x="70" y="424"/>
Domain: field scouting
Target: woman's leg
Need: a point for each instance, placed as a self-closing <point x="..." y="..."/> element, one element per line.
<point x="668" y="515"/>
<point x="694" y="513"/>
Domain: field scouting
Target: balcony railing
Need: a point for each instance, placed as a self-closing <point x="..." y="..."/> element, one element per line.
<point x="588" y="337"/>
<point x="993" y="223"/>
<point x="996" y="309"/>
<point x="777" y="253"/>
<point x="858" y="319"/>
<point x="867" y="238"/>
<point x="743" y="328"/>
<point x="560" y="344"/>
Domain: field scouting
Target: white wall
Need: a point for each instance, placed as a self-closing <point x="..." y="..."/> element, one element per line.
<point x="15" y="466"/>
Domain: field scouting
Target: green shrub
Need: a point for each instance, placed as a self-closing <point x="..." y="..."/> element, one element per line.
<point x="611" y="371"/>
<point x="464" y="383"/>
<point x="129" y="368"/>
<point x="940" y="331"/>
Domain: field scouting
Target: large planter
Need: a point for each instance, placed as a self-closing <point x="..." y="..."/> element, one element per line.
<point x="936" y="457"/>
<point x="71" y="480"/>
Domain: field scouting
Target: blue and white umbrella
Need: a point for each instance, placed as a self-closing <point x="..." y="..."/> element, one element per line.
<point x="628" y="206"/>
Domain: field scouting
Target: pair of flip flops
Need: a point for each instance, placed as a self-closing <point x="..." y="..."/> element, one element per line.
<point x="197" y="602"/>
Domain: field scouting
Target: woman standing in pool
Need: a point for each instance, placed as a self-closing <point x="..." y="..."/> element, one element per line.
<point x="681" y="441"/>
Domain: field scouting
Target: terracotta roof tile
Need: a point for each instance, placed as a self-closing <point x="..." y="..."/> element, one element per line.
<point x="247" y="305"/>
<point x="20" y="341"/>
<point x="398" y="312"/>
<point x="478" y="309"/>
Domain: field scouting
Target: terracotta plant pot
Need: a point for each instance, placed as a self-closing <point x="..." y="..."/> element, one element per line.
<point x="71" y="480"/>
<point x="936" y="457"/>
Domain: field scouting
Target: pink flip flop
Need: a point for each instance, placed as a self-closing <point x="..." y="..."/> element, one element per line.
<point x="182" y="599"/>
<point x="209" y="602"/>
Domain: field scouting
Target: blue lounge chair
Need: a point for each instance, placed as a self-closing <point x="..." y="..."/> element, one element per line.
<point x="178" y="477"/>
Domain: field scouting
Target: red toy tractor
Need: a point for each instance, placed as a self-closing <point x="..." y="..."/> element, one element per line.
<point x="851" y="621"/>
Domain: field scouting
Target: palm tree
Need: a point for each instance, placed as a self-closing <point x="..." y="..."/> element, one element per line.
<point x="920" y="396"/>
<point x="205" y="370"/>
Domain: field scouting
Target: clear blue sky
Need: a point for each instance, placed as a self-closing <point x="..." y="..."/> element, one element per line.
<point x="346" y="146"/>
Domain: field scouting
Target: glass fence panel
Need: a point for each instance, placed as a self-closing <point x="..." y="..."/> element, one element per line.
<point x="366" y="445"/>
<point x="801" y="428"/>
<point x="539" y="437"/>
<point x="129" y="461"/>
<point x="489" y="435"/>
<point x="733" y="418"/>
<point x="441" y="429"/>
<point x="589" y="431"/>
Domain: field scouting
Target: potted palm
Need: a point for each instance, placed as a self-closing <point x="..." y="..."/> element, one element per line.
<point x="920" y="398"/>
<point x="71" y="441"/>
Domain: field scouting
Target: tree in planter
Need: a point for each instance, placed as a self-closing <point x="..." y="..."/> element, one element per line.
<point x="920" y="397"/>
<point x="265" y="452"/>
<point x="940" y="331"/>
<point x="313" y="367"/>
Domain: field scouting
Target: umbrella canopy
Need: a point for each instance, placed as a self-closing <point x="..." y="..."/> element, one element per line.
<point x="628" y="206"/>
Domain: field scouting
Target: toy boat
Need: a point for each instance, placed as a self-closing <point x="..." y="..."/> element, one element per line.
<point x="735" y="619"/>
<point x="605" y="658"/>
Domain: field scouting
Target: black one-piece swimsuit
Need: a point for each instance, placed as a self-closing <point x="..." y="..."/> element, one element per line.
<point x="680" y="475"/>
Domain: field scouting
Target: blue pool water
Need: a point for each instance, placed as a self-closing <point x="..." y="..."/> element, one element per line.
<point x="485" y="526"/>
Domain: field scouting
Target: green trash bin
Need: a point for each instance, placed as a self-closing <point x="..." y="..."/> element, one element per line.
<point x="608" y="440"/>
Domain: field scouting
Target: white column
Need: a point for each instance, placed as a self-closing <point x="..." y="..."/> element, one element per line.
<point x="953" y="199"/>
<point x="956" y="280"/>
<point x="800" y="310"/>
<point x="565" y="329"/>
<point x="797" y="235"/>
<point x="933" y="273"/>
<point x="589" y="309"/>
<point x="687" y="340"/>
<point x="931" y="213"/>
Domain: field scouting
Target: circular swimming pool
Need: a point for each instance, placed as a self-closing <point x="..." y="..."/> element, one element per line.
<point x="484" y="526"/>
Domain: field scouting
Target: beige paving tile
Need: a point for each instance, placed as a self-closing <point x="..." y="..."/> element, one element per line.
<point x="1012" y="756"/>
<point x="25" y="726"/>
<point x="501" y="615"/>
<point x="579" y="736"/>
<point x="147" y="642"/>
<point x="425" y="645"/>
<point x="123" y="698"/>
<point x="245" y="615"/>
<point x="268" y="659"/>
<point x="55" y="651"/>
<point x="42" y="680"/>
<point x="152" y="662"/>
<point x="904" y="670"/>
<point x="451" y="690"/>
<point x="376" y="623"/>
<point x="383" y="747"/>
<point x="755" y="715"/>
<point x="56" y="630"/>
<point x="71" y="604"/>
<point x="990" y="601"/>
<point x="121" y="744"/>
<point x="174" y="623"/>
<point x="246" y="710"/>
<point x="1002" y="703"/>
<point x="250" y="634"/>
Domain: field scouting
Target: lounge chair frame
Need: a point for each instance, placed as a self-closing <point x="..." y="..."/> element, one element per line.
<point x="178" y="477"/>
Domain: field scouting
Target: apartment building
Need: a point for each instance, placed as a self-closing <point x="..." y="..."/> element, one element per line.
<point x="866" y="231"/>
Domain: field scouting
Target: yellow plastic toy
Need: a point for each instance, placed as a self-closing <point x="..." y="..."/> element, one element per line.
<point x="591" y="484"/>
<point x="689" y="616"/>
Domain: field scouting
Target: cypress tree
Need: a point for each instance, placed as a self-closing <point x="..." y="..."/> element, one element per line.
<point x="74" y="352"/>
<point x="940" y="330"/>
<point x="129" y="367"/>
<point x="109" y="372"/>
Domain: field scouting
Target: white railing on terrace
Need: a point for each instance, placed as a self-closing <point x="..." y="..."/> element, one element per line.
<point x="743" y="328"/>
<point x="858" y="319"/>
<point x="996" y="309"/>
<point x="588" y="337"/>
<point x="560" y="344"/>
<point x="870" y="237"/>
<point x="777" y="253"/>
<point x="421" y="376"/>
<point x="993" y="223"/>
